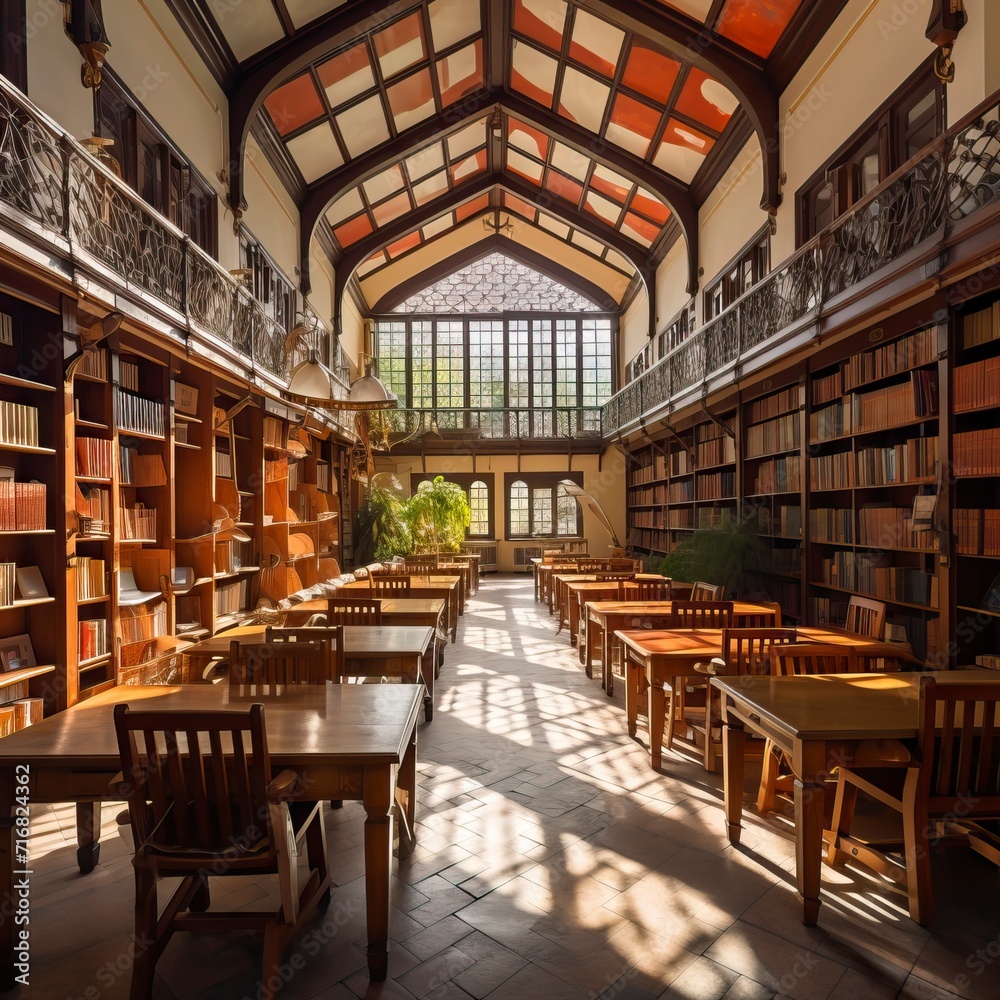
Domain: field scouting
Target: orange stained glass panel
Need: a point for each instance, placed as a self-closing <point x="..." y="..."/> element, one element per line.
<point x="650" y="72"/>
<point x="608" y="183"/>
<point x="335" y="74"/>
<point x="651" y="208"/>
<point x="391" y="209"/>
<point x="471" y="166"/>
<point x="635" y="117"/>
<point x="515" y="204"/>
<point x="401" y="246"/>
<point x="705" y="100"/>
<point x="353" y="230"/>
<point x="524" y="166"/>
<point x="401" y="45"/>
<point x="756" y="24"/>
<point x="411" y="94"/>
<point x="563" y="187"/>
<point x="460" y="73"/>
<point x="533" y="73"/>
<point x="544" y="21"/>
<point x="527" y="138"/>
<point x="294" y="104"/>
<point x="468" y="210"/>
<point x="641" y="226"/>
<point x="595" y="43"/>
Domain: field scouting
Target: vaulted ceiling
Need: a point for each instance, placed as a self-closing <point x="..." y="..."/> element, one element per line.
<point x="594" y="129"/>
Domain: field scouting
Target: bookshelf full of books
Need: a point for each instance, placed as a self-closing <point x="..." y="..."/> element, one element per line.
<point x="773" y="485"/>
<point x="31" y="574"/>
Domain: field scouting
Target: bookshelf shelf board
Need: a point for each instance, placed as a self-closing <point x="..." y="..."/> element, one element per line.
<point x="93" y="479"/>
<point x="26" y="449"/>
<point x="96" y="688"/>
<point x="773" y="493"/>
<point x="645" y="482"/>
<point x="773" y="416"/>
<point x="25" y="383"/>
<point x="186" y="418"/>
<point x="140" y="486"/>
<point x="37" y="531"/>
<point x="784" y="538"/>
<point x="300" y="558"/>
<point x="226" y="576"/>
<point x="124" y="432"/>
<point x="248" y="569"/>
<point x="144" y="597"/>
<point x="200" y="582"/>
<point x="925" y="481"/>
<point x="94" y="600"/>
<point x="977" y="555"/>
<point x="985" y="408"/>
<point x="715" y="500"/>
<point x="833" y="489"/>
<point x="94" y="661"/>
<point x="977" y="611"/>
<point x="874" y="597"/>
<point x="189" y="447"/>
<point x="718" y="465"/>
<point x="221" y="432"/>
<point x="84" y="377"/>
<point x="22" y="602"/>
<point x="795" y="578"/>
<point x="135" y="541"/>
<point x="901" y="376"/>
<point x="104" y="536"/>
<point x="975" y="475"/>
<point x="93" y="424"/>
<point x="244" y="493"/>
<point x="771" y="454"/>
<point x="876" y="548"/>
<point x="10" y="677"/>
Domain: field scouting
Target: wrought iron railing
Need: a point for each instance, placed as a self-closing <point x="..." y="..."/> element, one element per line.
<point x="512" y="423"/>
<point x="54" y="188"/>
<point x="953" y="178"/>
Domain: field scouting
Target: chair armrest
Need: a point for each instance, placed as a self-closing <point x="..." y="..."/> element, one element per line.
<point x="283" y="786"/>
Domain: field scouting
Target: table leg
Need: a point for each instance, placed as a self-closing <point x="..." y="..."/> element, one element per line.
<point x="88" y="836"/>
<point x="425" y="671"/>
<point x="584" y="644"/>
<point x="733" y="740"/>
<point x="378" y="801"/>
<point x="406" y="797"/>
<point x="607" y="669"/>
<point x="808" y="795"/>
<point x="632" y="675"/>
<point x="656" y="716"/>
<point x="574" y="621"/>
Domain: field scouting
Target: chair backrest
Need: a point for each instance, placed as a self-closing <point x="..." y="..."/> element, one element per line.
<point x="331" y="636"/>
<point x="616" y="562"/>
<point x="181" y="767"/>
<point x="960" y="748"/>
<point x="652" y="590"/>
<point x="763" y="619"/>
<point x="813" y="658"/>
<point x="260" y="667"/>
<point x="354" y="611"/>
<point x="701" y="591"/>
<point x="702" y="614"/>
<point x="390" y="584"/>
<point x="865" y="617"/>
<point x="608" y="577"/>
<point x="422" y="562"/>
<point x="748" y="650"/>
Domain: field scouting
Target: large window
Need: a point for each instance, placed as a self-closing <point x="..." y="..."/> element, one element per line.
<point x="520" y="376"/>
<point x="478" y="488"/>
<point x="907" y="123"/>
<point x="538" y="507"/>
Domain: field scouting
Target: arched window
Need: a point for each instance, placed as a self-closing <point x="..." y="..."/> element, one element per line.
<point x="518" y="510"/>
<point x="478" y="487"/>
<point x="538" y="507"/>
<point x="479" y="510"/>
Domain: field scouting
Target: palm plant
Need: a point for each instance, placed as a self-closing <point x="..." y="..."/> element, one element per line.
<point x="381" y="529"/>
<point x="438" y="515"/>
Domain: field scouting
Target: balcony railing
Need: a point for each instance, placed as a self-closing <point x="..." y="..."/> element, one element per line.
<point x="459" y="424"/>
<point x="947" y="182"/>
<point x="54" y="189"/>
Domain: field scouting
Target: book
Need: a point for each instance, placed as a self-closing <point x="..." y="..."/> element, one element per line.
<point x="30" y="583"/>
<point x="16" y="652"/>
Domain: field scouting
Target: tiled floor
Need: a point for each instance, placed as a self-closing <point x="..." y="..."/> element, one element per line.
<point x="552" y="863"/>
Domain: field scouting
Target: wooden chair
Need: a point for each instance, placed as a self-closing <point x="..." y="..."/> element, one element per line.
<point x="202" y="800"/>
<point x="330" y="636"/>
<point x="354" y="611"/>
<point x="390" y="585"/>
<point x="956" y="771"/>
<point x="258" y="668"/>
<point x="652" y="590"/>
<point x="792" y="660"/>
<point x="746" y="652"/>
<point x="765" y="619"/>
<point x="706" y="591"/>
<point x="865" y="617"/>
<point x="702" y="614"/>
<point x="422" y="564"/>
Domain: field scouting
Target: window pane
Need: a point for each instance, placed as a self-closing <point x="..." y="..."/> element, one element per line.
<point x="541" y="511"/>
<point x="422" y="362"/>
<point x="541" y="378"/>
<point x="450" y="365"/>
<point x="566" y="513"/>
<point x="479" y="509"/>
<point x="390" y="349"/>
<point x="595" y="361"/>
<point x="519" y="519"/>
<point x="486" y="373"/>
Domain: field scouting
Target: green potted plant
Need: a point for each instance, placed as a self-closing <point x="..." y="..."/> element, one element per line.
<point x="381" y="529"/>
<point x="438" y="516"/>
<point x="733" y="554"/>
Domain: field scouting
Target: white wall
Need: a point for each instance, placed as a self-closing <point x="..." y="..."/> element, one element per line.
<point x="633" y="330"/>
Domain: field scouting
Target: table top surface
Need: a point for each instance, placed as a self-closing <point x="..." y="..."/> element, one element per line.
<point x="303" y="723"/>
<point x="419" y="581"/>
<point x="390" y="606"/>
<point x="359" y="640"/>
<point x="685" y="643"/>
<point x="840" y="706"/>
<point x="584" y="586"/>
<point x="664" y="607"/>
<point x="600" y="576"/>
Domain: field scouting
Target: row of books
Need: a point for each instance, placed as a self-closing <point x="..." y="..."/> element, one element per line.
<point x="716" y="486"/>
<point x="94" y="458"/>
<point x="94" y="364"/>
<point x="681" y="492"/>
<point x="95" y="502"/>
<point x="637" y="475"/>
<point x="93" y="639"/>
<point x="977" y="385"/>
<point x="775" y="404"/>
<point x="909" y="462"/>
<point x="323" y="476"/>
<point x="8" y="583"/>
<point x="899" y="356"/>
<point x="138" y="522"/>
<point x="138" y="414"/>
<point x="274" y="433"/>
<point x="682" y="517"/>
<point x="989" y="660"/>
<point x="649" y="519"/>
<point x="780" y="434"/>
<point x="91" y="578"/>
<point x="232" y="555"/>
<point x="981" y="327"/>
<point x="138" y="469"/>
<point x="223" y="465"/>
<point x="649" y="495"/>
<point x="20" y="714"/>
<point x="22" y="506"/>
<point x="644" y="539"/>
<point x="716" y="451"/>
<point x="977" y="531"/>
<point x="714" y="517"/>
<point x="976" y="453"/>
<point x="232" y="597"/>
<point x="831" y="524"/>
<point x="787" y="561"/>
<point x="788" y="595"/>
<point x="886" y="526"/>
<point x="859" y="571"/>
<point x="275" y="469"/>
<point x="785" y="521"/>
<point x="896" y="404"/>
<point x="778" y="475"/>
<point x="138" y="624"/>
<point x="128" y="375"/>
<point x="827" y="388"/>
<point x="18" y="424"/>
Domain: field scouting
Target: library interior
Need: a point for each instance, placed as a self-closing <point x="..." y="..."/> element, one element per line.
<point x="499" y="499"/>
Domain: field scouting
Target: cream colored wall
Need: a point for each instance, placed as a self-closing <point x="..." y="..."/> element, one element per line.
<point x="605" y="484"/>
<point x="271" y="214"/>
<point x="977" y="72"/>
<point x="634" y="330"/>
<point x="352" y="330"/>
<point x="671" y="285"/>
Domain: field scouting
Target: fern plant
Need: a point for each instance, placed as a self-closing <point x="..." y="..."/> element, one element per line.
<point x="381" y="526"/>
<point x="438" y="515"/>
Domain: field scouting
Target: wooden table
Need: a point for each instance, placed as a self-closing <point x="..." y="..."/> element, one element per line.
<point x="604" y="618"/>
<point x="655" y="657"/>
<point x="820" y="722"/>
<point x="569" y="589"/>
<point x="346" y="742"/>
<point x="447" y="587"/>
<point x="369" y="651"/>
